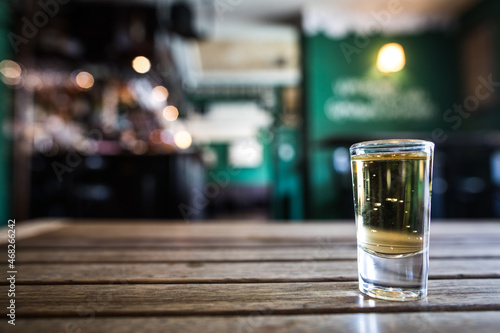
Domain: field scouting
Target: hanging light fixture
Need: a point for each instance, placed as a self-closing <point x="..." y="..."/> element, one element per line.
<point x="391" y="58"/>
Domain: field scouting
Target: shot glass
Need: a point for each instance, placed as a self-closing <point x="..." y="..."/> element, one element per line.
<point x="392" y="181"/>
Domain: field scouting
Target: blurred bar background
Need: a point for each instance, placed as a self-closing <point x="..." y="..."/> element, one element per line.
<point x="240" y="109"/>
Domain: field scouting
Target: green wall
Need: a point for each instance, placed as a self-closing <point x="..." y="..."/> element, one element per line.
<point x="240" y="176"/>
<point x="341" y="74"/>
<point x="430" y="72"/>
<point x="4" y="108"/>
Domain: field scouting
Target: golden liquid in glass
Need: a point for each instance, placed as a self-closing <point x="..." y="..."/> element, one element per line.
<point x="391" y="202"/>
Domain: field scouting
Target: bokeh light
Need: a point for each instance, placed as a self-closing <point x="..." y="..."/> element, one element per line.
<point x="183" y="139"/>
<point x="141" y="64"/>
<point x="391" y="58"/>
<point x="11" y="72"/>
<point x="84" y="80"/>
<point x="160" y="93"/>
<point x="170" y="113"/>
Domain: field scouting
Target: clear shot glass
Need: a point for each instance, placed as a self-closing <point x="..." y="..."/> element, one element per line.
<point x="392" y="182"/>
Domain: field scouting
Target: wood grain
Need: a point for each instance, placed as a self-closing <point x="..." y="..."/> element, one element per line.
<point x="202" y="231"/>
<point x="123" y="299"/>
<point x="323" y="251"/>
<point x="199" y="272"/>
<point x="443" y="322"/>
<point x="247" y="229"/>
<point x="146" y="234"/>
<point x="32" y="228"/>
<point x="257" y="254"/>
<point x="157" y="276"/>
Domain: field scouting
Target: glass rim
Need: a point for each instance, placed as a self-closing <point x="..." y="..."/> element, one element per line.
<point x="392" y="143"/>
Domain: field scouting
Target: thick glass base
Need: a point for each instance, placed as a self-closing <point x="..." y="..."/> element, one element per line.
<point x="393" y="278"/>
<point x="391" y="294"/>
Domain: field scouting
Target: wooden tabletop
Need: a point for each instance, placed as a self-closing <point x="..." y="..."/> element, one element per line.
<point x="143" y="276"/>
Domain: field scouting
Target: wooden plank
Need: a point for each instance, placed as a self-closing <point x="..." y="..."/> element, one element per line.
<point x="104" y="234"/>
<point x="262" y="322"/>
<point x="337" y="229"/>
<point x="186" y="255"/>
<point x="104" y="229"/>
<point x="27" y="229"/>
<point x="165" y="243"/>
<point x="322" y="251"/>
<point x="185" y="273"/>
<point x="306" y="271"/>
<point x="135" y="243"/>
<point x="122" y="299"/>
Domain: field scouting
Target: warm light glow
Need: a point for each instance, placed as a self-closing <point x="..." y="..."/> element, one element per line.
<point x="391" y="58"/>
<point x="10" y="69"/>
<point x="170" y="113"/>
<point x="160" y="93"/>
<point x="84" y="80"/>
<point x="11" y="72"/>
<point x="183" y="139"/>
<point x="141" y="64"/>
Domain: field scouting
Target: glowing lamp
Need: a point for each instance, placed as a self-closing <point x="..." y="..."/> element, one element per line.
<point x="391" y="58"/>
